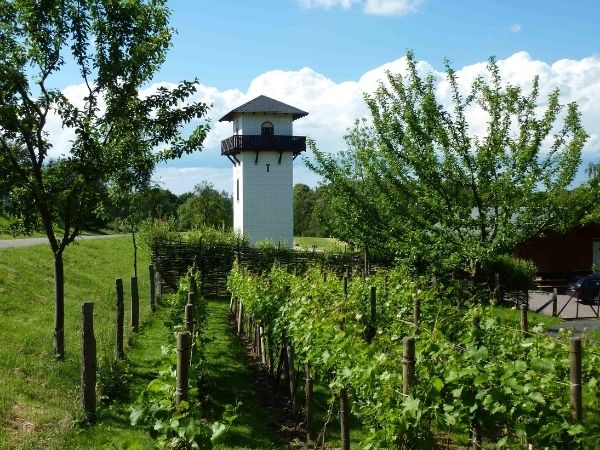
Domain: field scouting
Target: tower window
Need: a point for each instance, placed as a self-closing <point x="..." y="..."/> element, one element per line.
<point x="266" y="129"/>
<point x="237" y="189"/>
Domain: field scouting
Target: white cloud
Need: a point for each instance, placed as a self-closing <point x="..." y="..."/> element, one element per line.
<point x="515" y="28"/>
<point x="333" y="107"/>
<point x="327" y="4"/>
<point x="374" y="7"/>
<point x="392" y="7"/>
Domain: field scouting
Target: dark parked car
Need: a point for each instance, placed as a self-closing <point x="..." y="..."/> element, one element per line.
<point x="586" y="288"/>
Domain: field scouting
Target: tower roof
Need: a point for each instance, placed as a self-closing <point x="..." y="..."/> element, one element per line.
<point x="264" y="104"/>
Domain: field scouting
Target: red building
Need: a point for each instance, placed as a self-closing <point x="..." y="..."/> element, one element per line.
<point x="560" y="256"/>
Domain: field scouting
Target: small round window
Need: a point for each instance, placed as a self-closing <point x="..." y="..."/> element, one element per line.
<point x="266" y="129"/>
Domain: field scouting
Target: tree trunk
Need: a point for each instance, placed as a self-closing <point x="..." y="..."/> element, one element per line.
<point x="59" y="306"/>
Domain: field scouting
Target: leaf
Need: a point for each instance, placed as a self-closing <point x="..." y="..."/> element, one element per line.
<point x="218" y="430"/>
<point x="137" y="415"/>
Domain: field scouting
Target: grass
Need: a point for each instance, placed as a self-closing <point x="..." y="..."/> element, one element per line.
<point x="513" y="316"/>
<point x="309" y="243"/>
<point x="39" y="397"/>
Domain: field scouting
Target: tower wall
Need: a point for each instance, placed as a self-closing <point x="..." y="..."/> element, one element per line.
<point x="262" y="206"/>
<point x="251" y="123"/>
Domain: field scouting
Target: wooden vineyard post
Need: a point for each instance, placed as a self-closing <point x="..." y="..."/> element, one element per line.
<point x="524" y="321"/>
<point x="240" y="317"/>
<point x="291" y="376"/>
<point x="119" y="352"/>
<point x="88" y="363"/>
<point x="372" y="330"/>
<point x="345" y="285"/>
<point x="189" y="318"/>
<point x="344" y="419"/>
<point x="554" y="302"/>
<point x="135" y="305"/>
<point x="417" y="315"/>
<point x="190" y="299"/>
<point x="575" y="388"/>
<point x="263" y="352"/>
<point x="152" y="288"/>
<point x="184" y="348"/>
<point x="193" y="291"/>
<point x="158" y="281"/>
<point x="408" y="364"/>
<point x="308" y="388"/>
<point x="497" y="292"/>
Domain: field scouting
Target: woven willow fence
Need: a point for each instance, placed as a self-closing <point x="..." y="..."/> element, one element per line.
<point x="215" y="260"/>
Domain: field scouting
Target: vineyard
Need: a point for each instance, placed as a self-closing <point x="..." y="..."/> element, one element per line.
<point x="473" y="377"/>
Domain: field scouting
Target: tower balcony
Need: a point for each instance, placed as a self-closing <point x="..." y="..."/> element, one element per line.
<point x="260" y="143"/>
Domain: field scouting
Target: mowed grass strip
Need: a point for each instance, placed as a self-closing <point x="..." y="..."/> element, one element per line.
<point x="39" y="397"/>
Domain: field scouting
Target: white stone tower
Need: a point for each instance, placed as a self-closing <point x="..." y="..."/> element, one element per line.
<point x="262" y="150"/>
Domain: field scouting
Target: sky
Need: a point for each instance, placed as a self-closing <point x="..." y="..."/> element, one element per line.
<point x="323" y="55"/>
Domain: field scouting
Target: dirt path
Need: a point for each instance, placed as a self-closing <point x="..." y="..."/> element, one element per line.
<point x="28" y="242"/>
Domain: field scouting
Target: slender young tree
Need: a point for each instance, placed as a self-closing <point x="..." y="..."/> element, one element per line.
<point x="421" y="181"/>
<point x="116" y="48"/>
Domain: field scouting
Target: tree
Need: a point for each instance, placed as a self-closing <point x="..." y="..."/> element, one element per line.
<point x="207" y="207"/>
<point x="116" y="48"/>
<point x="422" y="183"/>
<point x="303" y="198"/>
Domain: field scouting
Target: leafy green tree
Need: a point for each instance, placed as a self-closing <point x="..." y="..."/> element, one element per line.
<point x="116" y="48"/>
<point x="322" y="215"/>
<point x="420" y="181"/>
<point x="206" y="208"/>
<point x="303" y="198"/>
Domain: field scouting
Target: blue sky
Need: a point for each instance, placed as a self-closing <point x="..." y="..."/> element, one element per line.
<point x="321" y="55"/>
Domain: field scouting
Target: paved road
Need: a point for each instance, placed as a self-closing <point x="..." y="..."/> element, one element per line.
<point x="28" y="242"/>
<point x="575" y="314"/>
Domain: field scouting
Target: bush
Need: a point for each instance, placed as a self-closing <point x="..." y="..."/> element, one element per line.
<point x="515" y="274"/>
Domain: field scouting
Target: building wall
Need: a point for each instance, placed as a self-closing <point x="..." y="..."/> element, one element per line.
<point x="251" y="123"/>
<point x="264" y="210"/>
<point x="558" y="254"/>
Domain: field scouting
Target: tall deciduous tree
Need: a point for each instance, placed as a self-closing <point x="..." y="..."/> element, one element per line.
<point x="115" y="48"/>
<point x="421" y="181"/>
<point x="207" y="207"/>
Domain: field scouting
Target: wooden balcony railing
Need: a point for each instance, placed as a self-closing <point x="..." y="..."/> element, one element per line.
<point x="256" y="143"/>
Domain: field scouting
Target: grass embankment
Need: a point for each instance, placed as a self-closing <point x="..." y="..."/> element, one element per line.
<point x="39" y="397"/>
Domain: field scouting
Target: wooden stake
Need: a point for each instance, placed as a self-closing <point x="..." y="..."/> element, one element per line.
<point x="239" y="320"/>
<point x="417" y="315"/>
<point x="152" y="287"/>
<point x="119" y="352"/>
<point x="576" y="388"/>
<point x="189" y="318"/>
<point x="308" y="388"/>
<point x="184" y="347"/>
<point x="88" y="364"/>
<point x="135" y="305"/>
<point x="408" y="364"/>
<point x="554" y="302"/>
<point x="344" y="420"/>
<point x="292" y="376"/>
<point x="263" y="352"/>
<point x="524" y="320"/>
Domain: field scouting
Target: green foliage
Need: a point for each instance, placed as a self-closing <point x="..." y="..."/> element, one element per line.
<point x="180" y="426"/>
<point x="472" y="369"/>
<point x="114" y="379"/>
<point x="422" y="181"/>
<point x="515" y="274"/>
<point x="206" y="208"/>
<point x="312" y="213"/>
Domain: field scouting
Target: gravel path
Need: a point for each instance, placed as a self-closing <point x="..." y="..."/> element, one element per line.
<point x="28" y="242"/>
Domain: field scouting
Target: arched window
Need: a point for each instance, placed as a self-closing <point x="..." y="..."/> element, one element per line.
<point x="266" y="129"/>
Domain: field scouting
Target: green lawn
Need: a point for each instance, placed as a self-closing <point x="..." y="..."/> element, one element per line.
<point x="308" y="243"/>
<point x="39" y="397"/>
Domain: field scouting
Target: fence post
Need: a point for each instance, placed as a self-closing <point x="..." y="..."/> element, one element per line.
<point x="158" y="280"/>
<point x="524" y="320"/>
<point x="408" y="364"/>
<point x="184" y="347"/>
<point x="135" y="305"/>
<point x="88" y="364"/>
<point x="194" y="289"/>
<point x="576" y="394"/>
<point x="308" y="388"/>
<point x="189" y="318"/>
<point x="190" y="300"/>
<point x="554" y="302"/>
<point x="152" y="287"/>
<point x="497" y="292"/>
<point x="292" y="375"/>
<point x="119" y="353"/>
<point x="263" y="352"/>
<point x="345" y="285"/>
<point x="240" y="312"/>
<point x="344" y="419"/>
<point x="417" y="314"/>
